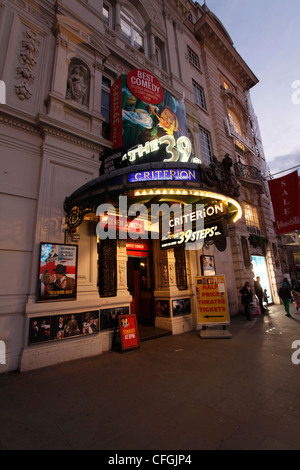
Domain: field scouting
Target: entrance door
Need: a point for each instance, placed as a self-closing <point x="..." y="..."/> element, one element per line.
<point x="260" y="269"/>
<point x="139" y="275"/>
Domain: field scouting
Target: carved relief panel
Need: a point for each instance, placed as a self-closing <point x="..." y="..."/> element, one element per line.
<point x="29" y="50"/>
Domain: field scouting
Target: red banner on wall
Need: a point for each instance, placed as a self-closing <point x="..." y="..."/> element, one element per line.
<point x="116" y="113"/>
<point x="285" y="195"/>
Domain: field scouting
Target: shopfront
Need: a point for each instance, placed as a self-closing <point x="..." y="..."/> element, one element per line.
<point x="154" y="207"/>
<point x="144" y="225"/>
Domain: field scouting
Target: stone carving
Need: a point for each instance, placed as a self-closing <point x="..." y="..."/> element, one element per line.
<point x="219" y="175"/>
<point x="27" y="59"/>
<point x="78" y="82"/>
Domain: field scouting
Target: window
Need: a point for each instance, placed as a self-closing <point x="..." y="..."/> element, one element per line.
<point x="158" y="56"/>
<point x="193" y="58"/>
<point x="133" y="29"/>
<point x="199" y="95"/>
<point x="205" y="146"/>
<point x="225" y="83"/>
<point x="252" y="219"/>
<point x="235" y="122"/>
<point x="106" y="14"/>
<point x="105" y="106"/>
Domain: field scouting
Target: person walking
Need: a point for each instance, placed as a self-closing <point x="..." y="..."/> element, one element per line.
<point x="285" y="295"/>
<point x="247" y="299"/>
<point x="296" y="297"/>
<point x="259" y="292"/>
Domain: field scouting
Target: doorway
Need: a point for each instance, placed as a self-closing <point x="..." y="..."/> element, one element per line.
<point x="140" y="286"/>
<point x="260" y="269"/>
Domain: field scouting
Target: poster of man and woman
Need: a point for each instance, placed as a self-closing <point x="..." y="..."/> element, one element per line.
<point x="57" y="272"/>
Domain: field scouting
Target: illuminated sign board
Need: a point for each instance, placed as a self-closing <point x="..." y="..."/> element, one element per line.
<point x="164" y="149"/>
<point x="164" y="175"/>
<point x="185" y="227"/>
<point x="122" y="224"/>
<point x="210" y="231"/>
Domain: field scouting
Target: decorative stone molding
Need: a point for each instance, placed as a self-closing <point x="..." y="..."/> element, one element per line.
<point x="27" y="59"/>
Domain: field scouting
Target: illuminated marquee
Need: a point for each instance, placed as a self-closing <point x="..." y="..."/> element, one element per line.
<point x="164" y="175"/>
<point x="165" y="149"/>
<point x="179" y="150"/>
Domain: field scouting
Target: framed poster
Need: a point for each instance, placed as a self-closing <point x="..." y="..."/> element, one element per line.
<point x="208" y="267"/>
<point x="211" y="300"/>
<point x="57" y="277"/>
<point x="181" y="307"/>
<point x="129" y="333"/>
<point x="109" y="317"/>
<point x="58" y="327"/>
<point x="162" y="308"/>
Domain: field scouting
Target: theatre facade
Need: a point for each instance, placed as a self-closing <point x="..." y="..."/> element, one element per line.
<point x="134" y="180"/>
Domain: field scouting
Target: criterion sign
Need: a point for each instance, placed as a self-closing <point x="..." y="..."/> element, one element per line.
<point x="211" y="300"/>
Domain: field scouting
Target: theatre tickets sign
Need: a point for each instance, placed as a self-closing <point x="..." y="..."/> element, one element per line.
<point x="211" y="300"/>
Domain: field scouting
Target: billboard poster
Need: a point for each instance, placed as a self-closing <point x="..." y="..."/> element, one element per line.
<point x="142" y="111"/>
<point x="57" y="277"/>
<point x="211" y="300"/>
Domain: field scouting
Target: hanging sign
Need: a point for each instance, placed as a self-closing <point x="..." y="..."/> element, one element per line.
<point x="211" y="300"/>
<point x="285" y="195"/>
<point x="129" y="333"/>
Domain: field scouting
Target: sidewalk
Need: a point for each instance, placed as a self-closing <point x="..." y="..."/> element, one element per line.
<point x="174" y="393"/>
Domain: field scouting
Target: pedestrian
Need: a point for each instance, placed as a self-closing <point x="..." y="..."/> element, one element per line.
<point x="296" y="297"/>
<point x="247" y="299"/>
<point x="285" y="295"/>
<point x="265" y="297"/>
<point x="259" y="292"/>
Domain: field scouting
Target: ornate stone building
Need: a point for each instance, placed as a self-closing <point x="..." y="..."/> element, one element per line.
<point x="60" y="62"/>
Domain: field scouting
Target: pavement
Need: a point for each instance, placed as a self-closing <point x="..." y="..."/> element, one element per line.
<point x="178" y="393"/>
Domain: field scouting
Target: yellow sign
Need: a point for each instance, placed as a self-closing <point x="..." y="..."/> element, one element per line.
<point x="211" y="300"/>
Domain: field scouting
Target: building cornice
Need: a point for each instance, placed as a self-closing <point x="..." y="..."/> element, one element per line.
<point x="207" y="32"/>
<point x="44" y="126"/>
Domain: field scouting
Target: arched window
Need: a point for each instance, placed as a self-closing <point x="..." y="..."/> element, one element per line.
<point x="235" y="122"/>
<point x="132" y="26"/>
<point x="240" y="149"/>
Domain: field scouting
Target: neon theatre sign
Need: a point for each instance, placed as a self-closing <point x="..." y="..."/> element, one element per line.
<point x="164" y="175"/>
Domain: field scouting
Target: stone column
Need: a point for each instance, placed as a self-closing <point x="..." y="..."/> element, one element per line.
<point x="117" y="24"/>
<point x="122" y="291"/>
